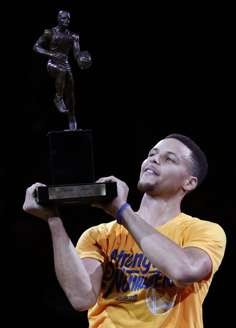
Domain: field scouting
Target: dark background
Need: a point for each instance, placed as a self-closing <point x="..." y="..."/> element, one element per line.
<point x="155" y="71"/>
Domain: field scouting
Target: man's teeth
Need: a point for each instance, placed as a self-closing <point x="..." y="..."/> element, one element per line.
<point x="150" y="171"/>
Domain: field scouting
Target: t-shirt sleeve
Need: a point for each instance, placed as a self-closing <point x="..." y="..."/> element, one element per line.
<point x="208" y="236"/>
<point x="90" y="243"/>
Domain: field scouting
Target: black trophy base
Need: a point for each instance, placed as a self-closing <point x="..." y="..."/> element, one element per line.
<point x="76" y="194"/>
<point x="71" y="157"/>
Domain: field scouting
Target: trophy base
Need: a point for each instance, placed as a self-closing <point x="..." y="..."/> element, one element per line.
<point x="85" y="193"/>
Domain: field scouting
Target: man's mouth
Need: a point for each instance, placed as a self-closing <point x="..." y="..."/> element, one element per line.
<point x="150" y="170"/>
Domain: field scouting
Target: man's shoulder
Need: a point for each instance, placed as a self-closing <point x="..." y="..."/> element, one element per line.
<point x="202" y="224"/>
<point x="105" y="227"/>
<point x="195" y="219"/>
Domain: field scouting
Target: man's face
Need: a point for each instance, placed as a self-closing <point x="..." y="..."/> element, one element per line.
<point x="64" y="18"/>
<point x="166" y="168"/>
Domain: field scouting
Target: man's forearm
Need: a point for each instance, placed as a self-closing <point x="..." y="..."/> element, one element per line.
<point x="164" y="254"/>
<point x="70" y="271"/>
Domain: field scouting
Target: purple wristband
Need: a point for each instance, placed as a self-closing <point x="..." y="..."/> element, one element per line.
<point x="119" y="212"/>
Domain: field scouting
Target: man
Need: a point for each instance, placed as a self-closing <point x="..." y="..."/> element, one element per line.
<point x="57" y="43"/>
<point x="150" y="268"/>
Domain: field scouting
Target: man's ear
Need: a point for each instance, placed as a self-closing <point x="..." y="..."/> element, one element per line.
<point x="190" y="183"/>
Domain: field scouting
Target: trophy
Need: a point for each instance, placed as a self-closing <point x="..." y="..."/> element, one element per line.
<point x="70" y="150"/>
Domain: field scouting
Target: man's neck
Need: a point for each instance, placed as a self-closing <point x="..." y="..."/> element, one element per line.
<point x="157" y="211"/>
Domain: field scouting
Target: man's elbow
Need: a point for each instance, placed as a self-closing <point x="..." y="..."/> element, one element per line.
<point x="191" y="274"/>
<point x="81" y="304"/>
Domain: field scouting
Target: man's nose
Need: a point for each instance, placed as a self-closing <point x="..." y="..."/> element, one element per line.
<point x="155" y="159"/>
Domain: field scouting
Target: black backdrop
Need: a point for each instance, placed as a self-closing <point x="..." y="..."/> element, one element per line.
<point x="155" y="71"/>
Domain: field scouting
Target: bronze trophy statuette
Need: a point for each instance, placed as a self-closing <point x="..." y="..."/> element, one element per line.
<point x="70" y="150"/>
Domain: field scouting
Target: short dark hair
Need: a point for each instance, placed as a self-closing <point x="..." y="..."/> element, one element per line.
<point x="199" y="161"/>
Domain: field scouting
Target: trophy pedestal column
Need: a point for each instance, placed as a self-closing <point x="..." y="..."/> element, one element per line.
<point x="72" y="171"/>
<point x="71" y="156"/>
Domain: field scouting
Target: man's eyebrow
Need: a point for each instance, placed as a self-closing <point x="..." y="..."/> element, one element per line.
<point x="177" y="157"/>
<point x="172" y="153"/>
<point x="168" y="152"/>
<point x="155" y="149"/>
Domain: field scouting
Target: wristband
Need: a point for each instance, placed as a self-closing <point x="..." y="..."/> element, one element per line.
<point x="120" y="211"/>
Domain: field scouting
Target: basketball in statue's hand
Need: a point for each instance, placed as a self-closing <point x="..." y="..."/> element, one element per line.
<point x="85" y="60"/>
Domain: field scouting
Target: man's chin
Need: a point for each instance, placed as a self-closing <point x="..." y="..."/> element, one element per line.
<point x="144" y="186"/>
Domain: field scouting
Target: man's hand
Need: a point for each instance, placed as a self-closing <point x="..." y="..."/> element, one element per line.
<point x="122" y="194"/>
<point x="32" y="207"/>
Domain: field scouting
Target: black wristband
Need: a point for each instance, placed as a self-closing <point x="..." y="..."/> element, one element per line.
<point x="120" y="211"/>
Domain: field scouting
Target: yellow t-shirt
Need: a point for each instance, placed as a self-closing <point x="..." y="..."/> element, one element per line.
<point x="134" y="293"/>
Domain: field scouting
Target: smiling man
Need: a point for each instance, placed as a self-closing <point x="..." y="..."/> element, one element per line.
<point x="149" y="268"/>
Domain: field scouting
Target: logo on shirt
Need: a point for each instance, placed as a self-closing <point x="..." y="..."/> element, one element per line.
<point x="157" y="302"/>
<point x="133" y="272"/>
